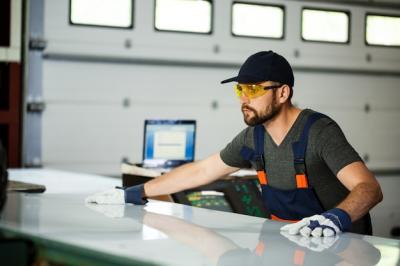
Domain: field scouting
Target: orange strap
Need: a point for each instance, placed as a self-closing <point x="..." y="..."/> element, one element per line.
<point x="276" y="218"/>
<point x="260" y="248"/>
<point x="298" y="258"/>
<point x="301" y="181"/>
<point x="262" y="177"/>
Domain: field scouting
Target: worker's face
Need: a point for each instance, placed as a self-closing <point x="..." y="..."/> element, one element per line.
<point x="262" y="108"/>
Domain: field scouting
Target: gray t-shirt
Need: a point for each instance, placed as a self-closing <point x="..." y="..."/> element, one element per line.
<point x="327" y="153"/>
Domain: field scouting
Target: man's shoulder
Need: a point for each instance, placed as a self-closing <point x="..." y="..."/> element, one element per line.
<point x="245" y="135"/>
<point x="321" y="122"/>
<point x="245" y="132"/>
<point x="322" y="128"/>
<point x="325" y="128"/>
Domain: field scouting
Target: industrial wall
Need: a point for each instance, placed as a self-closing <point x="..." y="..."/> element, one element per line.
<point x="100" y="84"/>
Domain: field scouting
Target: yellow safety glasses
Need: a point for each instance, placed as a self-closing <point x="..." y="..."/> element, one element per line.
<point x="252" y="91"/>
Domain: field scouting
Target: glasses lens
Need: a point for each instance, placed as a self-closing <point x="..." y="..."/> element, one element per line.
<point x="257" y="91"/>
<point x="250" y="90"/>
<point x="238" y="90"/>
<point x="253" y="90"/>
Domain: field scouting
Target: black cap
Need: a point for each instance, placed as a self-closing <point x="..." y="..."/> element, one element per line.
<point x="265" y="66"/>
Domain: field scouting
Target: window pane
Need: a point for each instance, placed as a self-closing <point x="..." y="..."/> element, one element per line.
<point x="325" y="26"/>
<point x="257" y="20"/>
<point x="183" y="15"/>
<point x="110" y="13"/>
<point x="383" y="30"/>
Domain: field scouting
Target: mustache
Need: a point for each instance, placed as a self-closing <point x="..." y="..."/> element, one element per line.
<point x="245" y="106"/>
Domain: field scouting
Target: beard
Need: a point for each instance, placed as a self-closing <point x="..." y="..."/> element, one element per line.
<point x="259" y="118"/>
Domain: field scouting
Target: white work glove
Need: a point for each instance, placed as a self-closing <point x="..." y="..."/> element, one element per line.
<point x="317" y="244"/>
<point x="329" y="223"/>
<point x="134" y="194"/>
<point x="112" y="211"/>
<point x="110" y="196"/>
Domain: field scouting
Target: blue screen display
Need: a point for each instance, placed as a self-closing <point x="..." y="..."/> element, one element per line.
<point x="169" y="141"/>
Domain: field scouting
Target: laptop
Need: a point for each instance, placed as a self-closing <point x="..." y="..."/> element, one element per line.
<point x="168" y="143"/>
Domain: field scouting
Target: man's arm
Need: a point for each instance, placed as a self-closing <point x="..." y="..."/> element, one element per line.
<point x="189" y="176"/>
<point x="365" y="191"/>
<point x="184" y="177"/>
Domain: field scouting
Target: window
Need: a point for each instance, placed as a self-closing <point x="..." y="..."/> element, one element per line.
<point x="382" y="30"/>
<point x="183" y="15"/>
<point x="256" y="20"/>
<point x="325" y="26"/>
<point x="106" y="13"/>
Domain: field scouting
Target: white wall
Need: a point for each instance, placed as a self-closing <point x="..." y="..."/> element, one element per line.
<point x="87" y="128"/>
<point x="386" y="215"/>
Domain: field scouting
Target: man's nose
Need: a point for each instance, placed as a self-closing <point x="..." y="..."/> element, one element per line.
<point x="244" y="99"/>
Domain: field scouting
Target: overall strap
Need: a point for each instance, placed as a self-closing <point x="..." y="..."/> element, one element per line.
<point x="259" y="133"/>
<point x="299" y="151"/>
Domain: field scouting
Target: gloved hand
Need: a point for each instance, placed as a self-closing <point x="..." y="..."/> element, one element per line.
<point x="328" y="223"/>
<point x="317" y="244"/>
<point x="118" y="195"/>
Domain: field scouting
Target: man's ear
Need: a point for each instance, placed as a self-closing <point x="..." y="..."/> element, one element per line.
<point x="283" y="93"/>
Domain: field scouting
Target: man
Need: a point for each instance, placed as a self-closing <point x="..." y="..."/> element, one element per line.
<point x="309" y="174"/>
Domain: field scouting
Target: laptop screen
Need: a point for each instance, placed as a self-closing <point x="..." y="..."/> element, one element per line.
<point x="168" y="143"/>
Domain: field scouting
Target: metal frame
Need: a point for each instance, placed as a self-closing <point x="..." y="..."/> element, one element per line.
<point x="33" y="66"/>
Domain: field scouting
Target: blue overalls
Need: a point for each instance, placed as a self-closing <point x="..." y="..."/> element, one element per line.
<point x="286" y="205"/>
